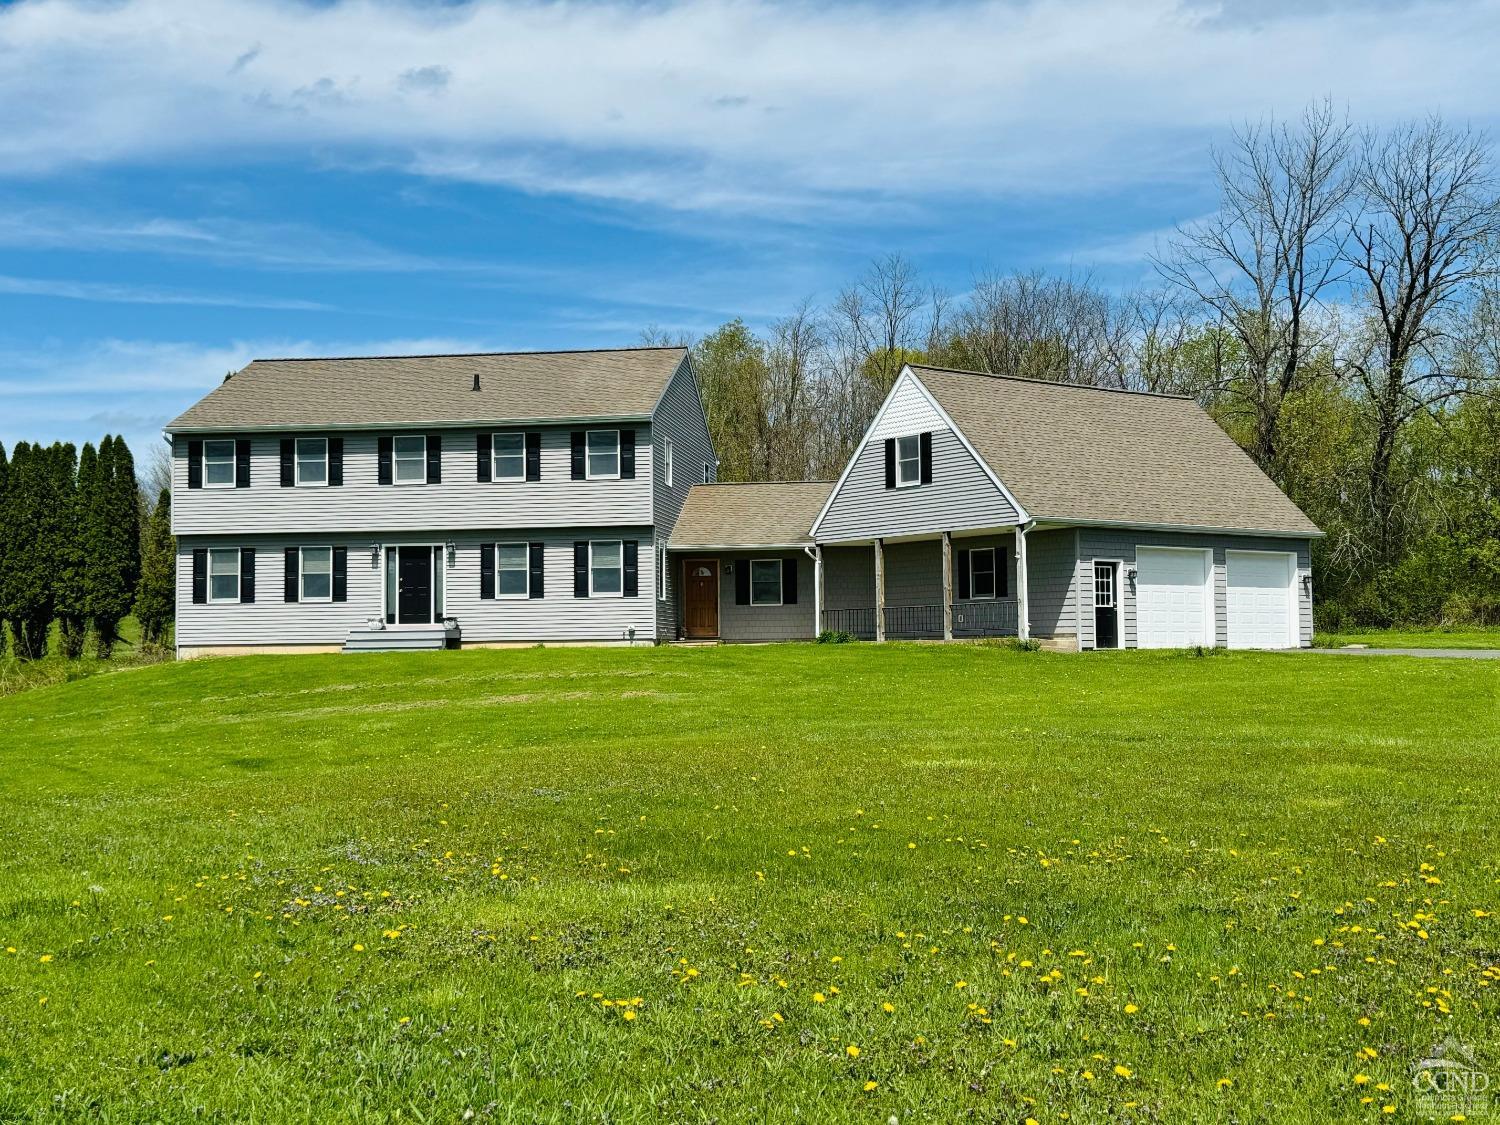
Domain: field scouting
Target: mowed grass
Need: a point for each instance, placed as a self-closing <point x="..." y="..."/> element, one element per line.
<point x="1450" y="636"/>
<point x="816" y="883"/>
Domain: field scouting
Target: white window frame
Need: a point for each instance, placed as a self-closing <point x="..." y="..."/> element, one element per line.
<point x="619" y="543"/>
<point x="525" y="571"/>
<point x="297" y="463"/>
<point x="396" y="458"/>
<point x="994" y="575"/>
<point x="234" y="463"/>
<point x="708" y="472"/>
<point x="780" y="581"/>
<point x="588" y="456"/>
<point x="302" y="594"/>
<point x="661" y="572"/>
<point x="915" y="459"/>
<point x="512" y="435"/>
<point x="235" y="551"/>
<point x="666" y="461"/>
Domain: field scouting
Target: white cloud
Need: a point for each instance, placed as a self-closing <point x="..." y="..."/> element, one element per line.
<point x="729" y="106"/>
<point x="109" y="293"/>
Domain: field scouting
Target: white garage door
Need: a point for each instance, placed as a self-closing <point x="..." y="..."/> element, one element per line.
<point x="1173" y="602"/>
<point x="1261" y="605"/>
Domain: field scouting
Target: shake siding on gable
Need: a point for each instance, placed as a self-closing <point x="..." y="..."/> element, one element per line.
<point x="680" y="418"/>
<point x="458" y="503"/>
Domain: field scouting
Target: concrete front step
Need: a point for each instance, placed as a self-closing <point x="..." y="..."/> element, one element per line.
<point x="402" y="639"/>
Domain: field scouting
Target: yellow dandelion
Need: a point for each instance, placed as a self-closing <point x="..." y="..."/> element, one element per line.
<point x="852" y="1051"/>
<point x="818" y="998"/>
<point x="1361" y="1079"/>
<point x="358" y="948"/>
<point x="45" y="957"/>
<point x="1131" y="1009"/>
<point x="871" y="1085"/>
<point x="1123" y="1071"/>
<point x="629" y="1013"/>
<point x="887" y="1007"/>
<point x="1225" y="1083"/>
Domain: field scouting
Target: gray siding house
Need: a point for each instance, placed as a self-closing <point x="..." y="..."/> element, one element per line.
<point x="427" y="501"/>
<point x="981" y="505"/>
<point x="433" y="501"/>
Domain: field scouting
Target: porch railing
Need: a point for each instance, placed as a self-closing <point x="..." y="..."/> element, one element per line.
<point x="856" y="622"/>
<point x="995" y="617"/>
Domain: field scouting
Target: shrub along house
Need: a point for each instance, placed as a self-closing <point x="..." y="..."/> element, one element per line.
<point x="428" y="501"/>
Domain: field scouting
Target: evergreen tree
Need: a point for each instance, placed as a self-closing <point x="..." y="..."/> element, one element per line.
<point x="32" y="521"/>
<point x="113" y="534"/>
<point x="4" y="540"/>
<point x="155" y="601"/>
<point x="70" y="595"/>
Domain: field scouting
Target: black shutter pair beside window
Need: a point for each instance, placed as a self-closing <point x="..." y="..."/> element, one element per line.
<point x="200" y="575"/>
<point x="630" y="570"/>
<point x="924" y="457"/>
<point x="289" y="462"/>
<point x="485" y="461"/>
<point x="535" y="567"/>
<point x="579" y="447"/>
<point x="291" y="580"/>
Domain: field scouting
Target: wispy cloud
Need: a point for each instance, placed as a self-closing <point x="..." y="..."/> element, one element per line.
<point x="144" y="295"/>
<point x="771" y="107"/>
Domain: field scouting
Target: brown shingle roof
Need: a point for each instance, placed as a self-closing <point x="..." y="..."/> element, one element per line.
<point x="1088" y="454"/>
<point x="432" y="389"/>
<point x="777" y="514"/>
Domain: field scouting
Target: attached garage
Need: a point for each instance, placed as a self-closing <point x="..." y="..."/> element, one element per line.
<point x="1261" y="599"/>
<point x="1173" y="597"/>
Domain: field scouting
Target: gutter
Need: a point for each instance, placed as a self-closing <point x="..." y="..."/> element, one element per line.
<point x="346" y="427"/>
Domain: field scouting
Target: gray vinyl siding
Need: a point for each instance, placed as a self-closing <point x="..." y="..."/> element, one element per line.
<point x="960" y="496"/>
<point x="558" y="616"/>
<point x="1097" y="543"/>
<point x="765" y="622"/>
<point x="1052" y="590"/>
<point x="679" y="416"/>
<point x="459" y="502"/>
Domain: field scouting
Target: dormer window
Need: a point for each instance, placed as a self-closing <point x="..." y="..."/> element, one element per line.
<point x="603" y="454"/>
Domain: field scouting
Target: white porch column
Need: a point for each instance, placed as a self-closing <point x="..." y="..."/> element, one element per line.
<point x="947" y="586"/>
<point x="818" y="594"/>
<point x="880" y="589"/>
<point x="1023" y="596"/>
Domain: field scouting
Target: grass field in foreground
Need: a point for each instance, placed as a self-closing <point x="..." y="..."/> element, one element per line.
<point x="1456" y="636"/>
<point x="847" y="883"/>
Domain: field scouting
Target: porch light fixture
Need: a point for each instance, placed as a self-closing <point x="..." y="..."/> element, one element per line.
<point x="1307" y="584"/>
<point x="374" y="556"/>
<point x="451" y="549"/>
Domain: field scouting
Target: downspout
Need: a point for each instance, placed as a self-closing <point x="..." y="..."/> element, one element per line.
<point x="1023" y="583"/>
<point x="816" y="554"/>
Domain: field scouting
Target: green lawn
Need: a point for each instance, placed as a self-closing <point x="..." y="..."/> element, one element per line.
<point x="1456" y="636"/>
<point x="844" y="883"/>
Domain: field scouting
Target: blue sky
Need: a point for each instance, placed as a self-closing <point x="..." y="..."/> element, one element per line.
<point x="188" y="184"/>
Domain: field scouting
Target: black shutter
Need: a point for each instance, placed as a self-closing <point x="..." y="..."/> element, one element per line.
<point x="288" y="469"/>
<point x="383" y="459"/>
<point x="1002" y="575"/>
<point x="578" y="473"/>
<point x="195" y="464"/>
<point x="627" y="455"/>
<point x="341" y="574"/>
<point x="533" y="455"/>
<point x="484" y="463"/>
<point x="742" y="582"/>
<point x="200" y="575"/>
<point x="961" y="560"/>
<point x="580" y="568"/>
<point x="630" y="553"/>
<point x="289" y="582"/>
<point x="486" y="571"/>
<point x="890" y="462"/>
<point x="247" y="574"/>
<point x="434" y="458"/>
<point x="336" y="461"/>
<point x="789" y="581"/>
<point x="534" y="559"/>
<point x="925" y="445"/>
<point x="242" y="463"/>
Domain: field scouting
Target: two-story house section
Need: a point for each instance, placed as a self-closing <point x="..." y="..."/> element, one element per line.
<point x="420" y="501"/>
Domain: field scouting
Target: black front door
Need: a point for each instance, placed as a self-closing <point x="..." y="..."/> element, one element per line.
<point x="1106" y="607"/>
<point x="414" y="592"/>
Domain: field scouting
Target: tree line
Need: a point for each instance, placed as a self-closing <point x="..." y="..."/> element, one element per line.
<point x="80" y="550"/>
<point x="1338" y="315"/>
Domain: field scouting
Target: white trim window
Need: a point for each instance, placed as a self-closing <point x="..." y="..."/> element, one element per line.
<point x="708" y="472"/>
<point x="765" y="582"/>
<point x="661" y="571"/>
<point x="606" y="568"/>
<point x="315" y="574"/>
<point x="908" y="460"/>
<point x="983" y="575"/>
<point x="602" y="455"/>
<point x="409" y="458"/>
<point x="223" y="573"/>
<point x="666" y="461"/>
<point x="508" y="454"/>
<point x="218" y="464"/>
<point x="312" y="462"/>
<point x="512" y="570"/>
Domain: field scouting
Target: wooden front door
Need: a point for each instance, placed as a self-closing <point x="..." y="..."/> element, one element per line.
<point x="700" y="602"/>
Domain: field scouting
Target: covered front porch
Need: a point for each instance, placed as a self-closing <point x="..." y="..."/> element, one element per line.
<point x="943" y="586"/>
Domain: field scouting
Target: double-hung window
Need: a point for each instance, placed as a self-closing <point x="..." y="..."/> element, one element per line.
<point x="908" y="460"/>
<point x="218" y="464"/>
<point x="317" y="574"/>
<point x="708" y="472"/>
<point x="666" y="461"/>
<point x="312" y="461"/>
<point x="982" y="573"/>
<point x="224" y="572"/>
<point x="509" y="452"/>
<point x="606" y="569"/>
<point x="603" y="454"/>
<point x="410" y="454"/>
<point x="512" y="570"/>
<point x="765" y="582"/>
